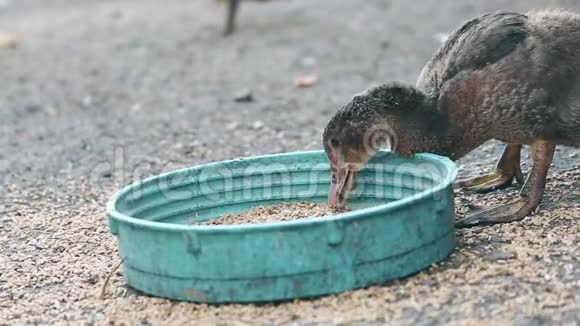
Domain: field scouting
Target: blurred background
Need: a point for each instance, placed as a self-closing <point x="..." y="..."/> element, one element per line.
<point x="157" y="81"/>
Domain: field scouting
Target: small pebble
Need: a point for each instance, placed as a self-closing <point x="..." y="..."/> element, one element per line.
<point x="233" y="125"/>
<point x="258" y="125"/>
<point x="244" y="95"/>
<point x="499" y="255"/>
<point x="306" y="81"/>
<point x="385" y="44"/>
<point x="87" y="101"/>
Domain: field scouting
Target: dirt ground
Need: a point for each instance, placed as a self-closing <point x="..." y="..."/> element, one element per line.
<point x="100" y="93"/>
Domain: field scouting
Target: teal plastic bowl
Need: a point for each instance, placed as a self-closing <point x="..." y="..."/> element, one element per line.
<point x="406" y="227"/>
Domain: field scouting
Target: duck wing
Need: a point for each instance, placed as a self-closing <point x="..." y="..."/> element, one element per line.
<point x="478" y="42"/>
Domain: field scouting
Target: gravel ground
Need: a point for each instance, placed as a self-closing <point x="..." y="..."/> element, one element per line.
<point x="100" y="93"/>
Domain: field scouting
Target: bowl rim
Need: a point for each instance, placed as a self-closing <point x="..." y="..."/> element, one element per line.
<point x="113" y="213"/>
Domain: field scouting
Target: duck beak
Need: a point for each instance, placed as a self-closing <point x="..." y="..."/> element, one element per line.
<point x="342" y="183"/>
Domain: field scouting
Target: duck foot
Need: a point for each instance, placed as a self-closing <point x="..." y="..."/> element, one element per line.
<point x="506" y="213"/>
<point x="508" y="168"/>
<point x="530" y="195"/>
<point x="486" y="183"/>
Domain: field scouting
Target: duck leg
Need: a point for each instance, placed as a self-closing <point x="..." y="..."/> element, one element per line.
<point x="530" y="195"/>
<point x="507" y="168"/>
<point x="232" y="9"/>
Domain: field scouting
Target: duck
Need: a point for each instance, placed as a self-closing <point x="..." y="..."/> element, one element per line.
<point x="508" y="76"/>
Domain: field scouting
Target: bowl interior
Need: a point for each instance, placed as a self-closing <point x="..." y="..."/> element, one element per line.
<point x="211" y="190"/>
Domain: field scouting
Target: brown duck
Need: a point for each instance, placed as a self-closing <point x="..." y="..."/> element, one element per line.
<point x="506" y="76"/>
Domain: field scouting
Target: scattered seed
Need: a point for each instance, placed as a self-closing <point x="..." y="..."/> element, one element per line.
<point x="277" y="213"/>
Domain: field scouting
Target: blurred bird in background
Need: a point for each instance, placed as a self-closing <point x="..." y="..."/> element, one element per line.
<point x="232" y="8"/>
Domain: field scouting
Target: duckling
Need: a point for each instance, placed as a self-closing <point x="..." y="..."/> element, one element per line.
<point x="508" y="76"/>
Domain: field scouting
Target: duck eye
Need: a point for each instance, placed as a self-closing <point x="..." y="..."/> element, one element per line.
<point x="334" y="142"/>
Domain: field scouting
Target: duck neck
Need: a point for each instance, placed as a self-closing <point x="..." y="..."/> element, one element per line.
<point x="437" y="134"/>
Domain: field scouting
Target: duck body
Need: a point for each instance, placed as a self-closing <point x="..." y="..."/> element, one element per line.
<point x="510" y="77"/>
<point x="506" y="76"/>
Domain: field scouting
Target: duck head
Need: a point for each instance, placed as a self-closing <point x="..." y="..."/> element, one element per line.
<point x="391" y="117"/>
